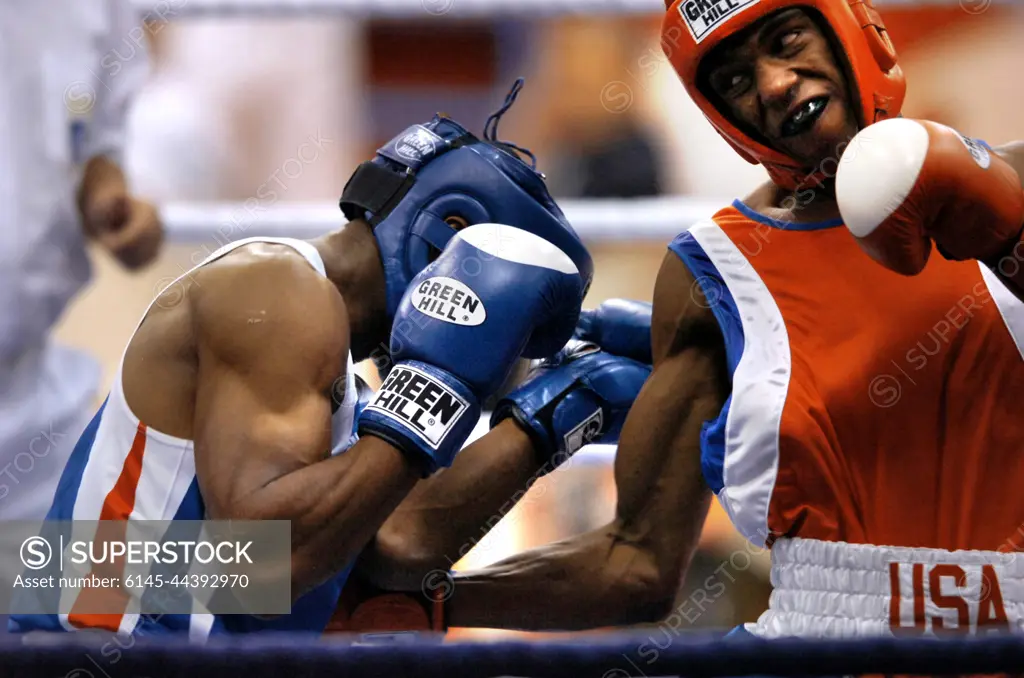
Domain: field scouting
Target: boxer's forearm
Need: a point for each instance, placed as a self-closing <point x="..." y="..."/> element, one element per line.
<point x="445" y="516"/>
<point x="588" y="581"/>
<point x="335" y="506"/>
<point x="630" y="570"/>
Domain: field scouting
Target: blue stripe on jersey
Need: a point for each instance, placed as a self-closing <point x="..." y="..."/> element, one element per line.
<point x="717" y="294"/>
<point x="61" y="509"/>
<point x="192" y="505"/>
<point x="71" y="479"/>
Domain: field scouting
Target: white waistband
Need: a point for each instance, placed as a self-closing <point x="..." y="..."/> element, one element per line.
<point x="840" y="590"/>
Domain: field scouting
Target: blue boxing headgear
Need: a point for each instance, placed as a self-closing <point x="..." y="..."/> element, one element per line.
<point x="438" y="171"/>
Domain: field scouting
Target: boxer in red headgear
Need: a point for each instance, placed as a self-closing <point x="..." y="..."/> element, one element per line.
<point x="860" y="423"/>
<point x="875" y="85"/>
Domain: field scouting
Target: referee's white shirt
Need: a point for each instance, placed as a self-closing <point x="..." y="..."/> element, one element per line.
<point x="68" y="70"/>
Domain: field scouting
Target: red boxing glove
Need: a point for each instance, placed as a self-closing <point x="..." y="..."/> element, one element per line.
<point x="376" y="615"/>
<point x="904" y="183"/>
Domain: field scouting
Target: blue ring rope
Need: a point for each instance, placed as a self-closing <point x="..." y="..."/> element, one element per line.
<point x="614" y="657"/>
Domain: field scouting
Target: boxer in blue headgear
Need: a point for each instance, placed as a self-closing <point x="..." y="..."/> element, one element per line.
<point x="236" y="398"/>
<point x="436" y="177"/>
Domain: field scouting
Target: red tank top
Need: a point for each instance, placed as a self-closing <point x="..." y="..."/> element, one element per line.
<point x="866" y="407"/>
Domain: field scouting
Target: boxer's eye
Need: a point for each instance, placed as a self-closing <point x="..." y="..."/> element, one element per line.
<point x="788" y="42"/>
<point x="730" y="84"/>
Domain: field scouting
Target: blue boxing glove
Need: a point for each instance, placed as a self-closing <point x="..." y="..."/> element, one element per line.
<point x="619" y="326"/>
<point x="580" y="396"/>
<point x="458" y="331"/>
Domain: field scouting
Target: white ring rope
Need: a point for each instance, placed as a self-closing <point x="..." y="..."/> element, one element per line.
<point x="594" y="220"/>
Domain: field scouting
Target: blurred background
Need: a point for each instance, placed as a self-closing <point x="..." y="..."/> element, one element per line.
<point x="234" y="104"/>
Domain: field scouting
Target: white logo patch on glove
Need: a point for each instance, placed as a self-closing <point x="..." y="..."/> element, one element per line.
<point x="450" y="301"/>
<point x="425" y="406"/>
<point x="585" y="432"/>
<point x="976" y="149"/>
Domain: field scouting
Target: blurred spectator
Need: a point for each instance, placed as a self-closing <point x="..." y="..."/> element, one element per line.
<point x="597" y="143"/>
<point x="245" y="108"/>
<point x="959" y="74"/>
<point x="70" y="70"/>
<point x="621" y="162"/>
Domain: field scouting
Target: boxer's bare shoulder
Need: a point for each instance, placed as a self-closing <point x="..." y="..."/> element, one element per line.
<point x="261" y="312"/>
<point x="682" y="318"/>
<point x="267" y="293"/>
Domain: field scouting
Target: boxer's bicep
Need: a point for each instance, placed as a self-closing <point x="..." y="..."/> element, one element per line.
<point x="267" y="356"/>
<point x="663" y="498"/>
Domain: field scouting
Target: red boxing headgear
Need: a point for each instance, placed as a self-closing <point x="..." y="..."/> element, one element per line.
<point x="692" y="28"/>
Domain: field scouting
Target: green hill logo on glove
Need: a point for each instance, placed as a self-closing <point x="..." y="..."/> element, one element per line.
<point x="426" y="405"/>
<point x="449" y="300"/>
